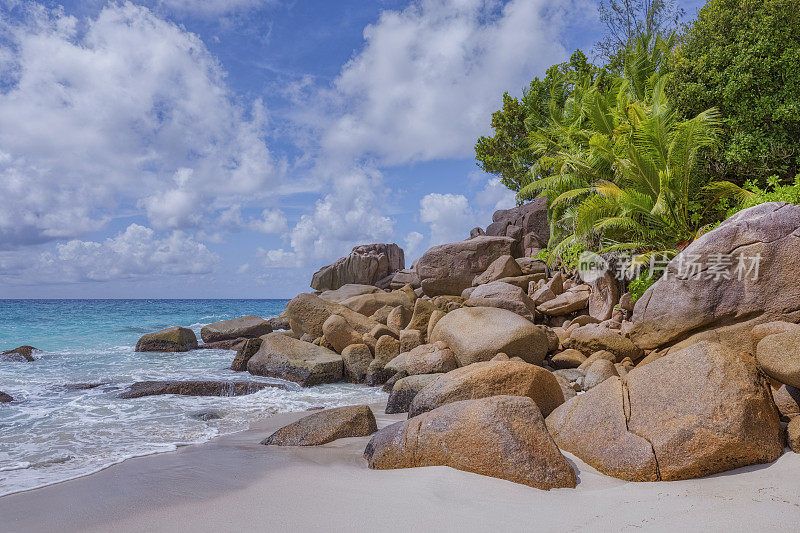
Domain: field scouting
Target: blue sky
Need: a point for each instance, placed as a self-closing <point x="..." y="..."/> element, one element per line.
<point x="229" y="148"/>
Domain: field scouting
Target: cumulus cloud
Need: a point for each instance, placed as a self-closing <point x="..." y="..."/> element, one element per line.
<point x="114" y="112"/>
<point x="349" y="214"/>
<point x="449" y="216"/>
<point x="412" y="245"/>
<point x="135" y="253"/>
<point x="494" y="196"/>
<point x="423" y="87"/>
<point x="429" y="76"/>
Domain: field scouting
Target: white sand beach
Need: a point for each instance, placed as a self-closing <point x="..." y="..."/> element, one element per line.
<point x="235" y="484"/>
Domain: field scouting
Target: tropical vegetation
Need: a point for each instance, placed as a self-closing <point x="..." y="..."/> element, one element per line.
<point x="628" y="159"/>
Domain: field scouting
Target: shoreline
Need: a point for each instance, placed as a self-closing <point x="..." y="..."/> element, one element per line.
<point x="233" y="482"/>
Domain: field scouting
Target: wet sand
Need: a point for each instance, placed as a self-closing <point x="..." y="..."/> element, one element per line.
<point x="234" y="483"/>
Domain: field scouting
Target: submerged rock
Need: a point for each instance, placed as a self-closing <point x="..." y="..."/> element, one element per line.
<point x="326" y="426"/>
<point x="195" y="388"/>
<point x="501" y="436"/>
<point x="174" y="339"/>
<point x="207" y="414"/>
<point x="20" y="354"/>
<point x="5" y="398"/>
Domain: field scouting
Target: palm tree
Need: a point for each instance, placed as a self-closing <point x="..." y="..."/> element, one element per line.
<point x="618" y="167"/>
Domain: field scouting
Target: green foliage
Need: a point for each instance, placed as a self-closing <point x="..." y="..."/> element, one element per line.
<point x="743" y="58"/>
<point x="773" y="192"/>
<point x="566" y="256"/>
<point x="619" y="167"/>
<point x="507" y="152"/>
<point x="643" y="281"/>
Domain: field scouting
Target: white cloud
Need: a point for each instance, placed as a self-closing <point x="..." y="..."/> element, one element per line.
<point x="429" y="76"/>
<point x="412" y="246"/>
<point x="209" y="8"/>
<point x="97" y="114"/>
<point x="271" y="221"/>
<point x="449" y="216"/>
<point x="276" y="258"/>
<point x="350" y="214"/>
<point x="422" y="87"/>
<point x="135" y="253"/>
<point x="494" y="196"/>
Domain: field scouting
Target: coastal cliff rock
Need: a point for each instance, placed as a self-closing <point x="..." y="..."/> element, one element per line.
<point x="174" y="339"/>
<point x="195" y="388"/>
<point x="448" y="269"/>
<point x="491" y="378"/>
<point x="326" y="426"/>
<point x="247" y="327"/>
<point x="723" y="308"/>
<point x="492" y="436"/>
<point x="698" y="411"/>
<point x="479" y="333"/>
<point x="366" y="265"/>
<point x="20" y="354"/>
<point x="283" y="357"/>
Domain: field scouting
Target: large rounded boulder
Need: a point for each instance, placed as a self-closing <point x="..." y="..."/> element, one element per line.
<point x="741" y="274"/>
<point x="491" y="378"/>
<point x="779" y="357"/>
<point x="479" y="333"/>
<point x="448" y="269"/>
<point x="695" y="412"/>
<point x="308" y="312"/>
<point x="365" y="265"/>
<point x="174" y="339"/>
<point x="326" y="426"/>
<point x="247" y="327"/>
<point x="501" y="436"/>
<point x="284" y="357"/>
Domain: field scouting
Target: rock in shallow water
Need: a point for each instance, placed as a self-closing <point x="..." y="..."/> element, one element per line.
<point x="247" y="327"/>
<point x="196" y="388"/>
<point x="174" y="339"/>
<point x="5" y="398"/>
<point x="20" y="354"/>
<point x="501" y="436"/>
<point x="326" y="426"/>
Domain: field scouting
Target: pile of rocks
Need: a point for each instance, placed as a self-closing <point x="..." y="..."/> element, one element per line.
<point x="501" y="361"/>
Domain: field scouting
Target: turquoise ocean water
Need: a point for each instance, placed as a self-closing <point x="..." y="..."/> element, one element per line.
<point x="55" y="430"/>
